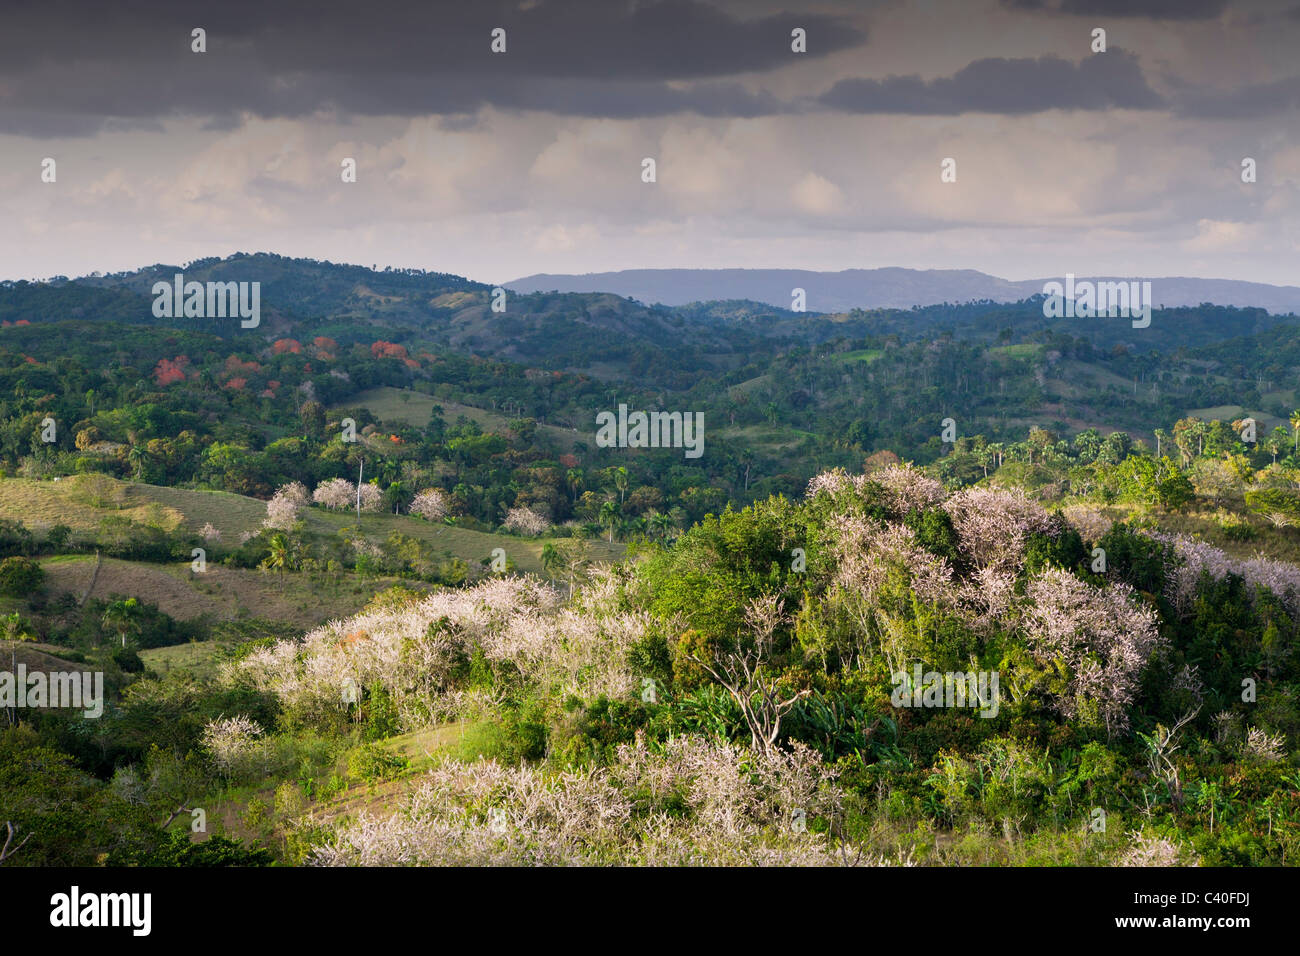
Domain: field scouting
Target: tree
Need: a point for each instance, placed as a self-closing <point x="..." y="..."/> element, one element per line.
<point x="20" y="577"/>
<point x="660" y="524"/>
<point x="334" y="494"/>
<point x="609" y="517"/>
<point x="282" y="510"/>
<point x="312" y="416"/>
<point x="369" y="498"/>
<point x="15" y="629"/>
<point x="742" y="673"/>
<point x="1274" y="442"/>
<point x="1295" y="426"/>
<point x="552" y="559"/>
<point x="574" y="478"/>
<point x="1155" y="482"/>
<point x="278" y="555"/>
<point x="1104" y="636"/>
<point x="138" y="458"/>
<point x="122" y="617"/>
<point x="526" y="521"/>
<point x="431" y="504"/>
<point x="8" y="849"/>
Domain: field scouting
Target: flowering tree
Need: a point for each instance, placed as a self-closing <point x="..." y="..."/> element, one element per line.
<point x="1103" y="636"/>
<point x="169" y="371"/>
<point x="233" y="743"/>
<point x="1191" y="558"/>
<point x="282" y="510"/>
<point x="704" y="801"/>
<point x="431" y="504"/>
<point x="906" y="488"/>
<point x="335" y="493"/>
<point x="992" y="524"/>
<point x="526" y="521"/>
<point x="372" y="499"/>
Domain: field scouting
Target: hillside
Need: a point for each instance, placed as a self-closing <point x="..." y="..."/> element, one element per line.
<point x="41" y="504"/>
<point x="888" y="288"/>
<point x="702" y="648"/>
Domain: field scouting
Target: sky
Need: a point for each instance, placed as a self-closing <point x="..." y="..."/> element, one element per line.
<point x="499" y="165"/>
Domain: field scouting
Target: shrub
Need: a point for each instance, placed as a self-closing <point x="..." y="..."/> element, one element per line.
<point x="372" y="764"/>
<point x="20" y="577"/>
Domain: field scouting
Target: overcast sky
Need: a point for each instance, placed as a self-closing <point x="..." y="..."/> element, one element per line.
<point x="495" y="166"/>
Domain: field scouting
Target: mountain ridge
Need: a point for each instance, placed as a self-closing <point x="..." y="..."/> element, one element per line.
<point x="884" y="288"/>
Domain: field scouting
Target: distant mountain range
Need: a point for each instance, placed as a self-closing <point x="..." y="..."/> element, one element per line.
<point x="884" y="288"/>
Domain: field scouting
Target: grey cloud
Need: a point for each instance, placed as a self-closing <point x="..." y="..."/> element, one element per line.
<point x="68" y="65"/>
<point x="1247" y="102"/>
<point x="1149" y="9"/>
<point x="1130" y="9"/>
<point x="996" y="85"/>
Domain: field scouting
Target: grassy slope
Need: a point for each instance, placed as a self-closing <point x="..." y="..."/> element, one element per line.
<point x="40" y="504"/>
<point x="219" y="592"/>
<point x="416" y="408"/>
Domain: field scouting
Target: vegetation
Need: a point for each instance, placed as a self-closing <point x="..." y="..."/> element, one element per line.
<point x="370" y="592"/>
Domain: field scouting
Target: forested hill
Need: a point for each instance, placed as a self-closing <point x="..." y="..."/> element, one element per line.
<point x="784" y="393"/>
<point x="614" y="337"/>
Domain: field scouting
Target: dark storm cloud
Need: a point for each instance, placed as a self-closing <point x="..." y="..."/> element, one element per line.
<point x="66" y="65"/>
<point x="1147" y="9"/>
<point x="996" y="85"/>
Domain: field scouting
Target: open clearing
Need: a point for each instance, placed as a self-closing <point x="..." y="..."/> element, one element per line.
<point x="41" y="504"/>
<point x="416" y="409"/>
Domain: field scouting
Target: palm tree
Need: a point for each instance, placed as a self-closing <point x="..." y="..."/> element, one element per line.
<point x="278" y="556"/>
<point x="552" y="558"/>
<point x="121" y="617"/>
<point x="575" y="478"/>
<point x="1295" y="425"/>
<point x="137" y="456"/>
<point x="660" y="524"/>
<point x="620" y="483"/>
<point x="746" y="463"/>
<point x="609" y="517"/>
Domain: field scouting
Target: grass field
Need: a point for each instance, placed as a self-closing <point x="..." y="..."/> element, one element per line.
<point x="36" y="657"/>
<point x="219" y="593"/>
<point x="198" y="657"/>
<point x="1025" y="350"/>
<point x="1231" y="413"/>
<point x="41" y="504"/>
<point x="860" y="355"/>
<point x="416" y="409"/>
<point x="772" y="440"/>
